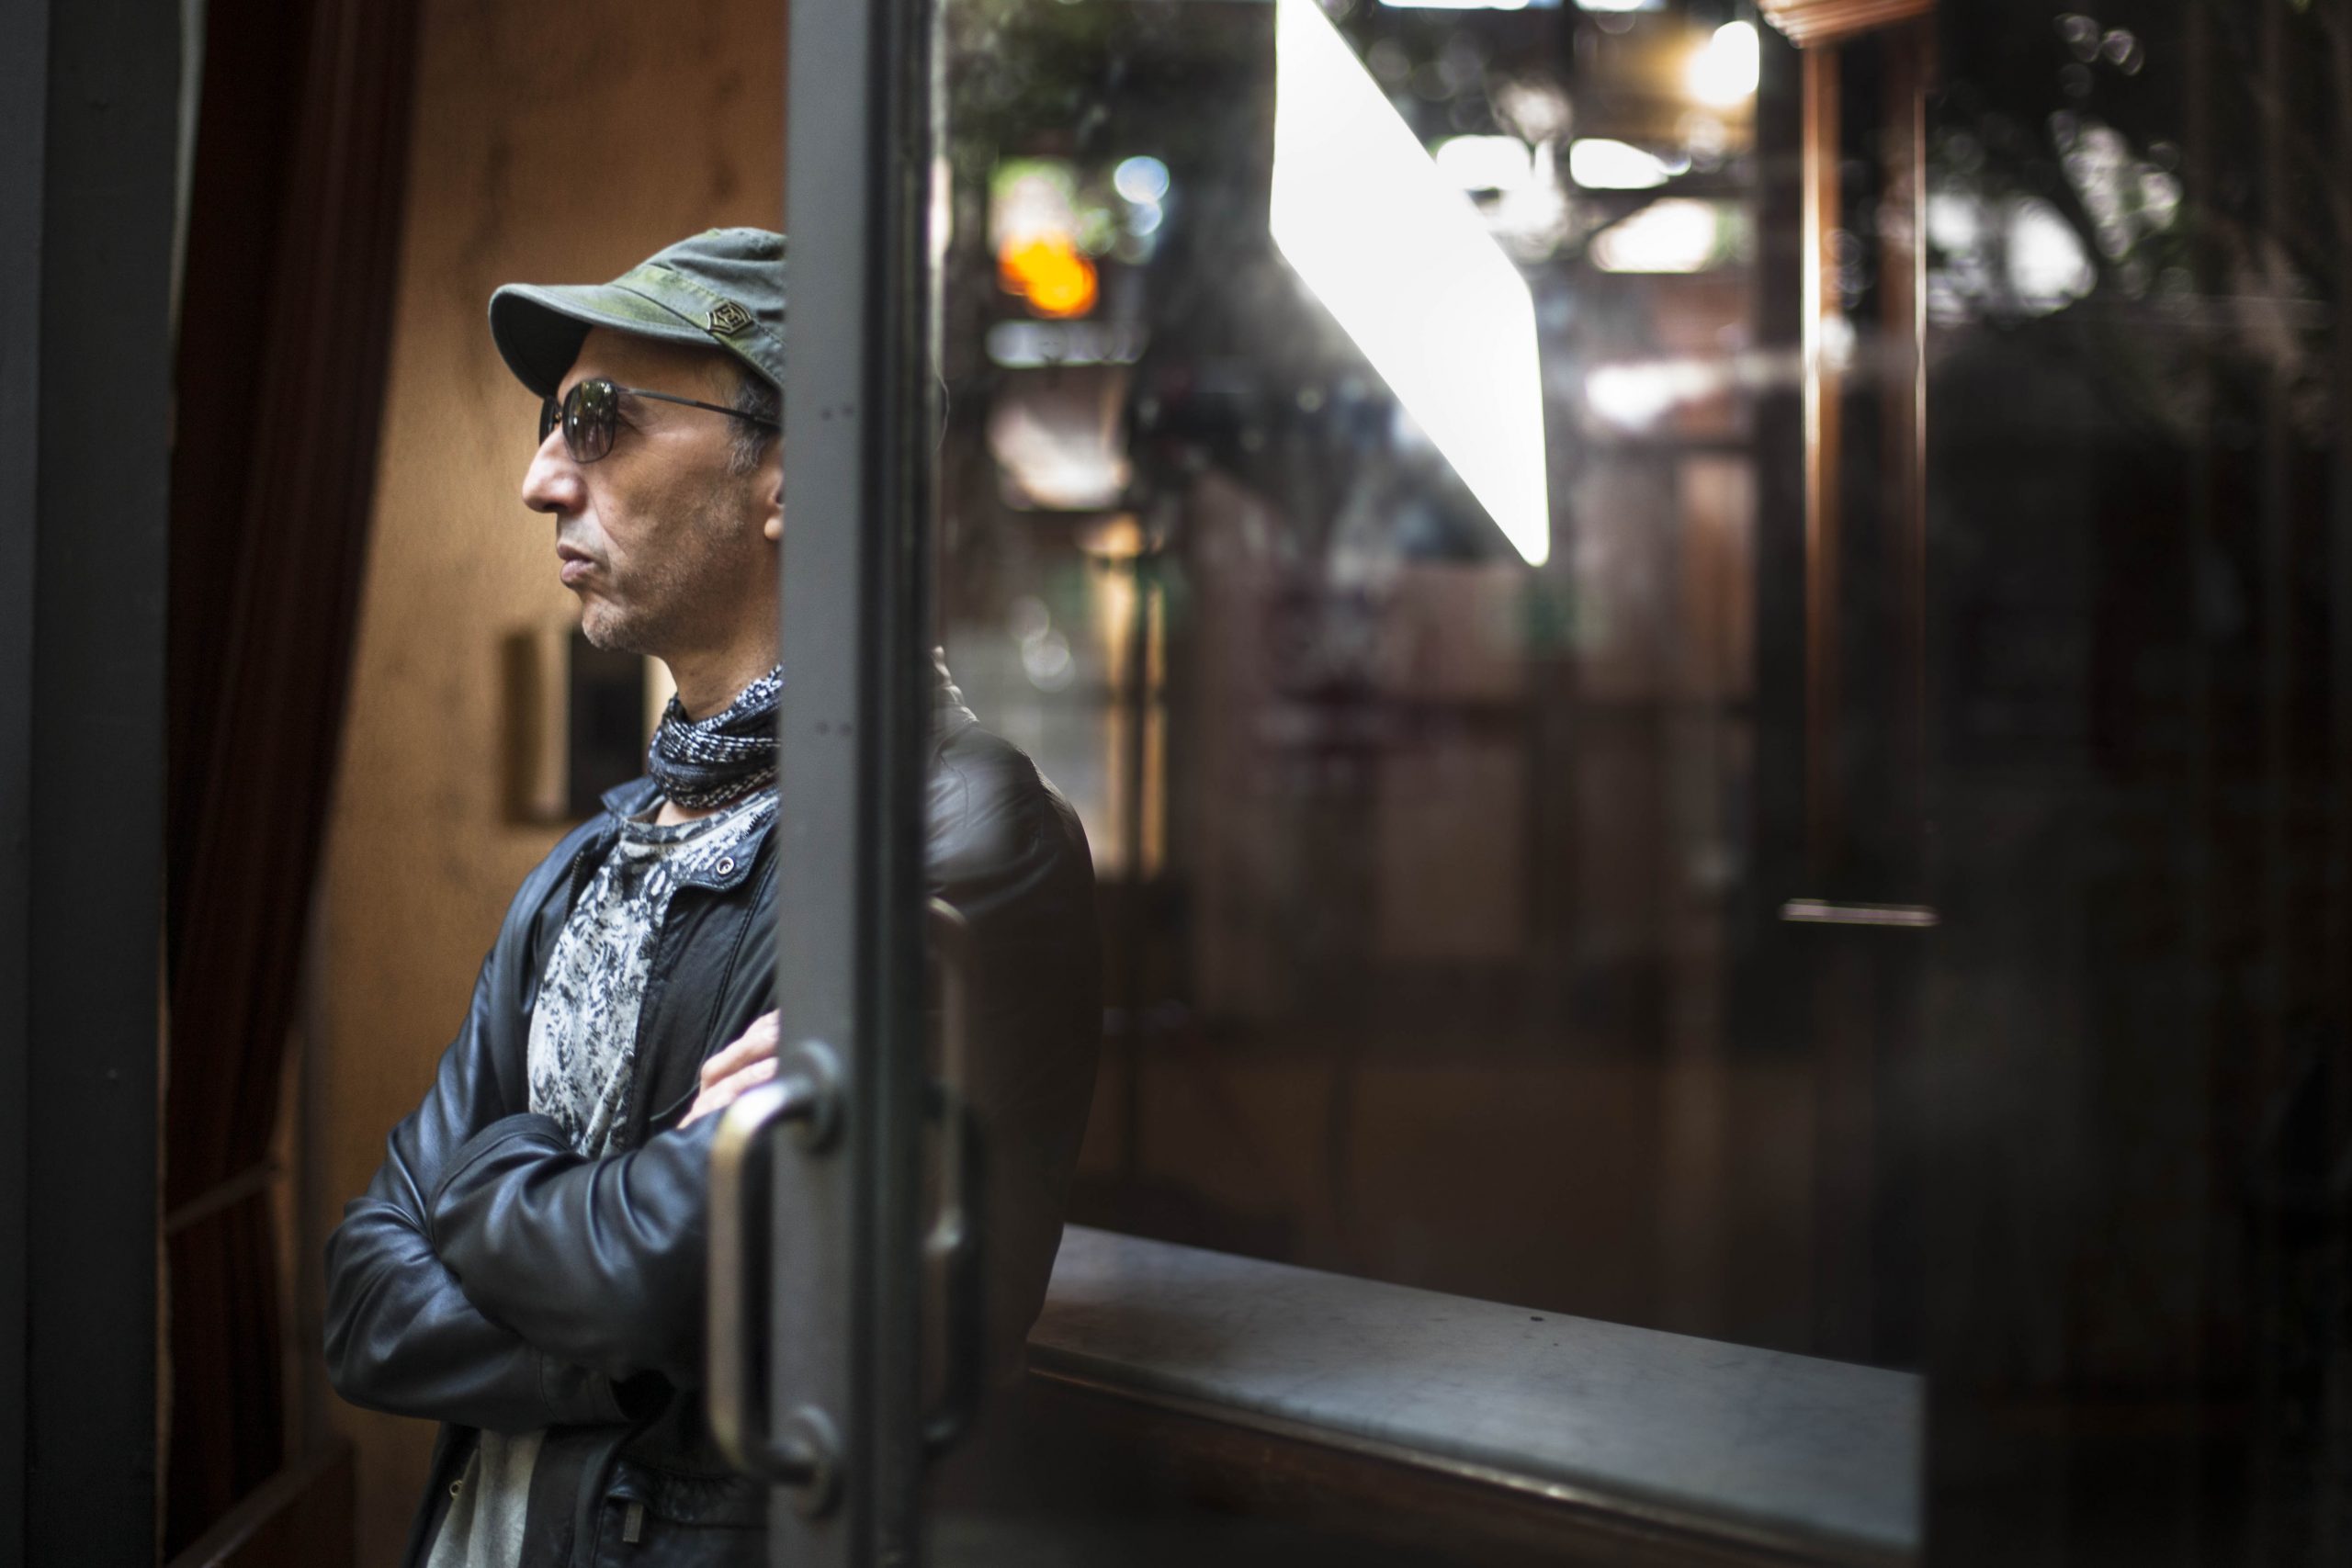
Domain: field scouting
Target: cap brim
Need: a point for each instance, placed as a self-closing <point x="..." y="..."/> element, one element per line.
<point x="538" y="327"/>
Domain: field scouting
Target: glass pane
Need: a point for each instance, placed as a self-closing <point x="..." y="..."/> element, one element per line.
<point x="1707" y="684"/>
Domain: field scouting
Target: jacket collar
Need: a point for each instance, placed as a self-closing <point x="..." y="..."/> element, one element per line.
<point x="642" y="795"/>
<point x="628" y="799"/>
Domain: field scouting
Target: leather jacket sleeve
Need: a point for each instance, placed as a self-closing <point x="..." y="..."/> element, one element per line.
<point x="597" y="1262"/>
<point x="401" y="1335"/>
<point x="1008" y="854"/>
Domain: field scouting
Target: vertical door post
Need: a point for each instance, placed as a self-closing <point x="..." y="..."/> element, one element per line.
<point x="845" y="1249"/>
<point x="90" y="101"/>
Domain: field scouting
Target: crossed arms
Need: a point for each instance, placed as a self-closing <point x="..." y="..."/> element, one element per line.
<point x="492" y="1276"/>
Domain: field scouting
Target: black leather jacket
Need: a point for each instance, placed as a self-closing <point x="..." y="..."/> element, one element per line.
<point x="492" y="1277"/>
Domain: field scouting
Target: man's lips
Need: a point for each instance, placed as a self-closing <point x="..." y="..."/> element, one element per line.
<point x="577" y="564"/>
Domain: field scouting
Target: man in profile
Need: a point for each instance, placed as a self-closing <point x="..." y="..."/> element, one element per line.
<point x="526" y="1267"/>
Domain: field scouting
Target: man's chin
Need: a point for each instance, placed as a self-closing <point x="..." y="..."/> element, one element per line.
<point x="606" y="630"/>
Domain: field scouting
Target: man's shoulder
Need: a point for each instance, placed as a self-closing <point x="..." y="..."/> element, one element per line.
<point x="990" y="807"/>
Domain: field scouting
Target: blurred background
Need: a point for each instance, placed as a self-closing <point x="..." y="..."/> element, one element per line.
<point x="1831" y="828"/>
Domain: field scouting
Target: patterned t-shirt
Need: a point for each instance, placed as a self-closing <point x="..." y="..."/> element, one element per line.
<point x="583" y="1071"/>
<point x="583" y="1028"/>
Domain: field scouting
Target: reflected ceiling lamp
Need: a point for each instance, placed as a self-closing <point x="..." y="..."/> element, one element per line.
<point x="1724" y="72"/>
<point x="1400" y="257"/>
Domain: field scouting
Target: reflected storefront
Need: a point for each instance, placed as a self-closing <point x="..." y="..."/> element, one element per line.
<point x="1394" y="809"/>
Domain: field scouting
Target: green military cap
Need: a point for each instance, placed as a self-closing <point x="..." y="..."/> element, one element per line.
<point x="723" y="287"/>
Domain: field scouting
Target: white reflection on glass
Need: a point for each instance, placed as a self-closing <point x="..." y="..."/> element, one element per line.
<point x="1596" y="163"/>
<point x="1027" y="618"/>
<point x="1057" y="440"/>
<point x="1954" y="221"/>
<point x="1046" y="661"/>
<point x="1485" y="163"/>
<point x="1665" y="236"/>
<point x="1534" y="107"/>
<point x="1044" y="652"/>
<point x="2009" y="255"/>
<point x="1024" y="345"/>
<point x="2047" y="266"/>
<point x="1635" y="397"/>
<point x="1403" y="263"/>
<point x="2128" y="198"/>
<point x="1531" y="222"/>
<point x="1140" y="179"/>
<point x="1724" y="71"/>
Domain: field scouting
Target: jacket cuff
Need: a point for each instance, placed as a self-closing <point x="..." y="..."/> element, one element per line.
<point x="577" y="1397"/>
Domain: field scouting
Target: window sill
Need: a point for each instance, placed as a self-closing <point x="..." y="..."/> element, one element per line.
<point x="1305" y="1387"/>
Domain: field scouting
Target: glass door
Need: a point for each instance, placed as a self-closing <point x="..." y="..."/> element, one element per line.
<point x="1321" y="444"/>
<point x="1699" y="648"/>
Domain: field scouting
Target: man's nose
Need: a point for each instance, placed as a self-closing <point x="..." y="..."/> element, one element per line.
<point x="553" y="483"/>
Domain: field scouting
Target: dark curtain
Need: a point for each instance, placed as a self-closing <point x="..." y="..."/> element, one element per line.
<point x="283" y="327"/>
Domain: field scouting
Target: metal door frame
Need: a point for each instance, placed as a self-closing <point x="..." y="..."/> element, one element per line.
<point x="843" y="1319"/>
<point x="90" y="106"/>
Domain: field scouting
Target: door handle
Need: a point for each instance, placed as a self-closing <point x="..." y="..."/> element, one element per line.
<point x="954" y="1248"/>
<point x="803" y="1448"/>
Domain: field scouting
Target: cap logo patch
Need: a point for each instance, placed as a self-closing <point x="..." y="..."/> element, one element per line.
<point x="727" y="318"/>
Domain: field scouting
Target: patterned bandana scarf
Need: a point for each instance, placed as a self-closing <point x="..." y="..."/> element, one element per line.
<point x="701" y="763"/>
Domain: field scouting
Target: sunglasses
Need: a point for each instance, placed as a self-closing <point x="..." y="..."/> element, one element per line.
<point x="591" y="413"/>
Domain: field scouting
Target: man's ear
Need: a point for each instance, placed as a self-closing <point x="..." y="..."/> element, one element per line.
<point x="773" y="525"/>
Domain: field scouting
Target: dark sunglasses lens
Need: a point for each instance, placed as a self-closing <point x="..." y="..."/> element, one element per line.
<point x="589" y="415"/>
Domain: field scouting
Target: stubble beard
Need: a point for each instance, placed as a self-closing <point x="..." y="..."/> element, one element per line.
<point x="668" y="596"/>
<point x="608" y="626"/>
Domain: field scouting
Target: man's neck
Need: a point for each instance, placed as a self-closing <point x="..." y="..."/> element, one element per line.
<point x="672" y="813"/>
<point x="708" y="682"/>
